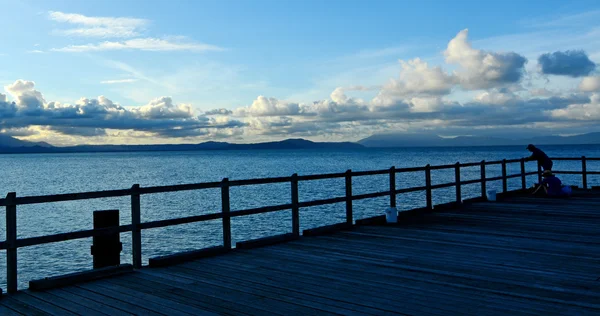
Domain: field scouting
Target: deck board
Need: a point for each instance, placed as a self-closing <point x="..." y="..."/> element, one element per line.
<point x="519" y="256"/>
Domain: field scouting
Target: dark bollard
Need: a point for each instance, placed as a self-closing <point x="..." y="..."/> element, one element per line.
<point x="106" y="249"/>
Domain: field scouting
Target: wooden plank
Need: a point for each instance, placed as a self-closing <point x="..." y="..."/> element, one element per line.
<point x="369" y="301"/>
<point x="265" y="241"/>
<point x="91" y="304"/>
<point x="99" y="297"/>
<point x="65" y="304"/>
<point x="285" y="296"/>
<point x="186" y="308"/>
<point x="165" y="290"/>
<point x="44" y="306"/>
<point x="456" y="280"/>
<point x="265" y="286"/>
<point x="21" y="307"/>
<point x="324" y="230"/>
<point x="321" y="287"/>
<point x="375" y="220"/>
<point x="181" y="257"/>
<point x="237" y="296"/>
<point x="79" y="277"/>
<point x="157" y="304"/>
<point x="536" y="291"/>
<point x="231" y="300"/>
<point x="5" y="311"/>
<point x="321" y="280"/>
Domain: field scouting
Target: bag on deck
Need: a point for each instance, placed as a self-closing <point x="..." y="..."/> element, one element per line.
<point x="566" y="190"/>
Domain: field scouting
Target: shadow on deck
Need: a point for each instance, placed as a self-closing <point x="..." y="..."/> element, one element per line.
<point x="522" y="255"/>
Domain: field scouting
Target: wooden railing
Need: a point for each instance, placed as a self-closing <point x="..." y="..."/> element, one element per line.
<point x="12" y="243"/>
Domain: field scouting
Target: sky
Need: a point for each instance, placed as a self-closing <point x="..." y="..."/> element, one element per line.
<point x="148" y="72"/>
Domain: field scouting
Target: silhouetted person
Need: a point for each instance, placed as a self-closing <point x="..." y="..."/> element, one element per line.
<point x="552" y="185"/>
<point x="540" y="156"/>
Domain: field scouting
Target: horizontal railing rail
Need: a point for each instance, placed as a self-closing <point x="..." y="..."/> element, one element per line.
<point x="12" y="243"/>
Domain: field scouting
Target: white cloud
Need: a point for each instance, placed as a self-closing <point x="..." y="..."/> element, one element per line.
<point x="35" y="51"/>
<point x="98" y="26"/>
<point x="163" y="107"/>
<point x="417" y="78"/>
<point x="264" y="106"/>
<point x="590" y="84"/>
<point x="117" y="81"/>
<point x="496" y="97"/>
<point x="580" y="112"/>
<point x="26" y="96"/>
<point x="145" y="44"/>
<point x="481" y="69"/>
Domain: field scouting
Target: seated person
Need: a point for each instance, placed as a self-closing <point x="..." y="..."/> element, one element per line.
<point x="551" y="184"/>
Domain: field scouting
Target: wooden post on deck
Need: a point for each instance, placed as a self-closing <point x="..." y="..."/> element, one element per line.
<point x="458" y="185"/>
<point x="349" y="219"/>
<point x="428" y="187"/>
<point x="584" y="172"/>
<point x="295" y="207"/>
<point x="136" y="232"/>
<point x="523" y="177"/>
<point x="11" y="240"/>
<point x="393" y="187"/>
<point x="225" y="209"/>
<point x="106" y="248"/>
<point x="504" y="179"/>
<point x="483" y="180"/>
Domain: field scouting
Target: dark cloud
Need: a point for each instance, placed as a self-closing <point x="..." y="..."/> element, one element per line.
<point x="19" y="132"/>
<point x="79" y="131"/>
<point x="481" y="69"/>
<point x="90" y="117"/>
<point x="219" y="112"/>
<point x="572" y="63"/>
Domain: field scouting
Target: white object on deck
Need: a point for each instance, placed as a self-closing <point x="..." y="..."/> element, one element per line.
<point x="391" y="215"/>
<point x="491" y="195"/>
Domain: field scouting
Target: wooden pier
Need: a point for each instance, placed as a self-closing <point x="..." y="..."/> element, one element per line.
<point x="519" y="255"/>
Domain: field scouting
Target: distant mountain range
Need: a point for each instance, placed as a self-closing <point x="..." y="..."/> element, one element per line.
<point x="9" y="141"/>
<point x="10" y="144"/>
<point x="429" y="140"/>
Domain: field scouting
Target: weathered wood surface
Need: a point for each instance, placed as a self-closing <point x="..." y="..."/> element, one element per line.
<point x="521" y="256"/>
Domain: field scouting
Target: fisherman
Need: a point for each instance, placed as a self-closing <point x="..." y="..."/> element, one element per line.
<point x="540" y="156"/>
<point x="552" y="186"/>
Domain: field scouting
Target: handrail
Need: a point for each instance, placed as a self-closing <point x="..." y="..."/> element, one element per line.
<point x="12" y="243"/>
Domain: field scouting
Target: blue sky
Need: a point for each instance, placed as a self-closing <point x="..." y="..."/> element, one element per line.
<point x="322" y="70"/>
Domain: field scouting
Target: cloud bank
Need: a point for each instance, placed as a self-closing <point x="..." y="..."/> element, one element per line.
<point x="419" y="98"/>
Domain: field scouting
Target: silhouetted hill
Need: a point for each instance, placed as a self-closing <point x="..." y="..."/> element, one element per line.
<point x="279" y="145"/>
<point x="430" y="140"/>
<point x="9" y="141"/>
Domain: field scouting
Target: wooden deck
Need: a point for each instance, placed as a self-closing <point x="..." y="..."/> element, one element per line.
<point x="521" y="256"/>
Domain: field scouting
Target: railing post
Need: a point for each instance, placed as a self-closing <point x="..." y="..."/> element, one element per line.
<point x="136" y="233"/>
<point x="504" y="179"/>
<point x="393" y="187"/>
<point x="458" y="185"/>
<point x="295" y="208"/>
<point x="539" y="170"/>
<point x="349" y="219"/>
<point x="523" y="177"/>
<point x="106" y="247"/>
<point x="584" y="172"/>
<point x="428" y="187"/>
<point x="483" y="180"/>
<point x="11" y="240"/>
<point x="226" y="208"/>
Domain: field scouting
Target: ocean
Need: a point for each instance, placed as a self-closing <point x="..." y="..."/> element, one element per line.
<point x="41" y="174"/>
